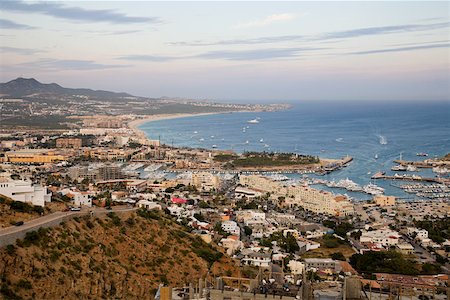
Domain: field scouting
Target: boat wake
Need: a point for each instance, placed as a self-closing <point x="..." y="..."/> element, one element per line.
<point x="382" y="139"/>
<point x="339" y="140"/>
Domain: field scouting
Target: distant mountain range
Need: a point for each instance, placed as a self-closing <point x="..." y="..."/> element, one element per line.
<point x="30" y="87"/>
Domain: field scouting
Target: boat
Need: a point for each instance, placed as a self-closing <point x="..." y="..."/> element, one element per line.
<point x="261" y="140"/>
<point x="247" y="142"/>
<point x="266" y="146"/>
<point x="373" y="189"/>
<point x="254" y="121"/>
<point x="214" y="146"/>
<point x="201" y="140"/>
<point x="398" y="168"/>
<point x="195" y="132"/>
<point x="439" y="170"/>
<point x="421" y="154"/>
<point x="411" y="168"/>
<point x="349" y="185"/>
<point x="376" y="156"/>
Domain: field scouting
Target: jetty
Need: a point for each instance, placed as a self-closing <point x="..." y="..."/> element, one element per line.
<point x="381" y="175"/>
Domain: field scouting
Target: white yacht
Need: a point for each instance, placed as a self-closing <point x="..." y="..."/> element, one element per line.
<point x="254" y="121"/>
<point x="373" y="189"/>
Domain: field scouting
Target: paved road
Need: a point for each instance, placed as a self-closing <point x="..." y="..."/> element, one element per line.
<point x="47" y="219"/>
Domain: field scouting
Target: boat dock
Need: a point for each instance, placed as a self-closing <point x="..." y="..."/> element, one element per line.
<point x="380" y="175"/>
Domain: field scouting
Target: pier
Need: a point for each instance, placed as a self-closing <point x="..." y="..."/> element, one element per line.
<point x="380" y="175"/>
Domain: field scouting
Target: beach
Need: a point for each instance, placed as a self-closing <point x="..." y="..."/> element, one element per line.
<point x="134" y="124"/>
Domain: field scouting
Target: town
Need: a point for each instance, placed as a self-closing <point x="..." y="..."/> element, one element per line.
<point x="288" y="239"/>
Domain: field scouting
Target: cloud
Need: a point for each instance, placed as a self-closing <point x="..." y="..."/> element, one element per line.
<point x="68" y="64"/>
<point x="412" y="48"/>
<point x="58" y="10"/>
<point x="337" y="35"/>
<point x="21" y="51"/>
<point x="277" y="18"/>
<point x="7" y="24"/>
<point x="382" y="30"/>
<point x="257" y="54"/>
<point x="153" y="58"/>
<point x="233" y="55"/>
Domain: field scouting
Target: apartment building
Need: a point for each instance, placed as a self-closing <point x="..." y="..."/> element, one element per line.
<point x="205" y="181"/>
<point x="68" y="143"/>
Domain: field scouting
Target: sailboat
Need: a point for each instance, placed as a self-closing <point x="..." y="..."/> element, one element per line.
<point x="376" y="156"/>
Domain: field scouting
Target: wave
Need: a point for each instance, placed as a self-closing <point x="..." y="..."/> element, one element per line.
<point x="382" y="139"/>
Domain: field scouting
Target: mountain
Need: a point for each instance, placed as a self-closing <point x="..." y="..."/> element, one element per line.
<point x="30" y="87"/>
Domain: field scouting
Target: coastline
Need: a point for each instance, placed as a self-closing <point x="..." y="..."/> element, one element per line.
<point x="134" y="124"/>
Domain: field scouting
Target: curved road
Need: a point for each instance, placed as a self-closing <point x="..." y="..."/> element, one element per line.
<point x="51" y="220"/>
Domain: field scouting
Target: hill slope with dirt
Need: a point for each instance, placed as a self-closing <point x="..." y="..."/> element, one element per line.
<point x="116" y="256"/>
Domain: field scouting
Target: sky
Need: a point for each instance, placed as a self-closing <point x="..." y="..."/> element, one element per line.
<point x="249" y="51"/>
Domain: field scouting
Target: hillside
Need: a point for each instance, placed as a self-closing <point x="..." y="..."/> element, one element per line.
<point x="14" y="211"/>
<point x="22" y="87"/>
<point x="115" y="256"/>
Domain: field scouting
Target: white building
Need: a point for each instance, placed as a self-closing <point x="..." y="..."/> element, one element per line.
<point x="82" y="198"/>
<point x="148" y="205"/>
<point x="296" y="267"/>
<point x="24" y="191"/>
<point x="231" y="227"/>
<point x="420" y="234"/>
<point x="257" y="259"/>
<point x="251" y="217"/>
<point x="384" y="237"/>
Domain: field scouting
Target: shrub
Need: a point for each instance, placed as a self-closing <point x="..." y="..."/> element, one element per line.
<point x="24" y="284"/>
<point x="10" y="249"/>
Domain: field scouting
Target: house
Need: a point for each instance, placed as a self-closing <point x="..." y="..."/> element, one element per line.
<point x="323" y="264"/>
<point x="405" y="248"/>
<point x="257" y="259"/>
<point x="81" y="198"/>
<point x="231" y="244"/>
<point x="148" y="205"/>
<point x="231" y="227"/>
<point x="385" y="237"/>
<point x="296" y="267"/>
<point x="25" y="191"/>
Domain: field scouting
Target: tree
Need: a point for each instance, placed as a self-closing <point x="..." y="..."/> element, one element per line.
<point x="338" y="256"/>
<point x="248" y="231"/>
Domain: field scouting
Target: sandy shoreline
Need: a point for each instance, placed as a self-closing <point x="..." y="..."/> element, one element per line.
<point x="134" y="125"/>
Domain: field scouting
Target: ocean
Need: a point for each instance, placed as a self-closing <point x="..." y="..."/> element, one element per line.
<point x="373" y="133"/>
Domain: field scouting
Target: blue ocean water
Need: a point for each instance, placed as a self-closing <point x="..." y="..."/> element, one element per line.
<point x="327" y="129"/>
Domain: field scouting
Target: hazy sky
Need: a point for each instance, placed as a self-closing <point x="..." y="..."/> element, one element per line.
<point x="233" y="50"/>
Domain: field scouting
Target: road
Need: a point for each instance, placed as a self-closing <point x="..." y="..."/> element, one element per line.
<point x="9" y="234"/>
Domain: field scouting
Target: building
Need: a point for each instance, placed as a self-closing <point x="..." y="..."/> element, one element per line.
<point x="317" y="201"/>
<point x="68" y="143"/>
<point x="81" y="198"/>
<point x="251" y="217"/>
<point x="384" y="237"/>
<point x="417" y="233"/>
<point x="257" y="259"/>
<point x="382" y="200"/>
<point x="205" y="181"/>
<point x="231" y="227"/>
<point x="33" y="156"/>
<point x="231" y="244"/>
<point x="322" y="264"/>
<point x="24" y="191"/>
<point x="249" y="193"/>
<point x="405" y="248"/>
<point x="148" y="205"/>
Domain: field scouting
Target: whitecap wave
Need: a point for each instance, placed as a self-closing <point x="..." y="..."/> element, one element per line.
<point x="382" y="139"/>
